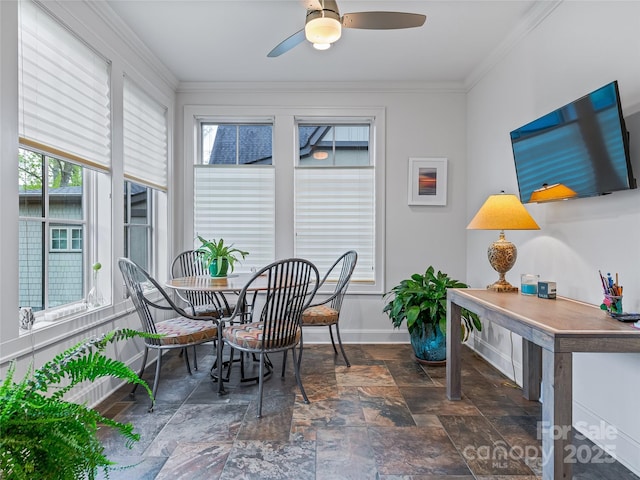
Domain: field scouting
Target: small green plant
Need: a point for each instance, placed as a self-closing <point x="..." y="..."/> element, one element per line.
<point x="422" y="301"/>
<point x="45" y="437"/>
<point x="213" y="250"/>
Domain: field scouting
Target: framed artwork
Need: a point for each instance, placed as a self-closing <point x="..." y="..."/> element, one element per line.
<point x="427" y="181"/>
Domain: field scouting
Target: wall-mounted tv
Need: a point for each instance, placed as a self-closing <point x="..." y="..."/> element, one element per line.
<point x="579" y="150"/>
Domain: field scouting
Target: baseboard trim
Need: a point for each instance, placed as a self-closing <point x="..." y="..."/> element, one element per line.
<point x="503" y="361"/>
<point x="610" y="438"/>
<point x="320" y="335"/>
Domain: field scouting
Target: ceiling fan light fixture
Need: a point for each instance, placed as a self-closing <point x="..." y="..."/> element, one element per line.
<point x="323" y="26"/>
<point x="321" y="46"/>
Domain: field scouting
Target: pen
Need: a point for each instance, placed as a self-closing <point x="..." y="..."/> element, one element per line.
<point x="604" y="285"/>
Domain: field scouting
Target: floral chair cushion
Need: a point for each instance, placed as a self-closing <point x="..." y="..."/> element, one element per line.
<point x="205" y="311"/>
<point x="320" y="315"/>
<point x="251" y="335"/>
<point x="184" y="331"/>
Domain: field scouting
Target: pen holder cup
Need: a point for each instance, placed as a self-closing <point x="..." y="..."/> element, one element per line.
<point x="613" y="303"/>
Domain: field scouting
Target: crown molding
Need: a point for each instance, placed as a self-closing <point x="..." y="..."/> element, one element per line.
<point x="538" y="12"/>
<point x="122" y="31"/>
<point x="320" y="87"/>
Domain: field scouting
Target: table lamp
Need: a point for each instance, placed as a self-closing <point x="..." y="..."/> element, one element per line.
<point x="502" y="212"/>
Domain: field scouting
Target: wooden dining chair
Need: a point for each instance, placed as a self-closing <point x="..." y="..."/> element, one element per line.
<point x="327" y="312"/>
<point x="181" y="330"/>
<point x="276" y="316"/>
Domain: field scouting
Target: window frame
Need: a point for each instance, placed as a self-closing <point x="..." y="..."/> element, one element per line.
<point x="285" y="150"/>
<point x="69" y="238"/>
<point x="49" y="223"/>
<point x="258" y="181"/>
<point x="149" y="226"/>
<point x="304" y="188"/>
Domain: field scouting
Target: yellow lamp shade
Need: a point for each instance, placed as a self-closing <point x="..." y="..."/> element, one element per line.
<point x="503" y="211"/>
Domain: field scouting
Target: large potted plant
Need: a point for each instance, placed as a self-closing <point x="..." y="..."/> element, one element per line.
<point x="422" y="301"/>
<point x="219" y="258"/>
<point x="46" y="437"/>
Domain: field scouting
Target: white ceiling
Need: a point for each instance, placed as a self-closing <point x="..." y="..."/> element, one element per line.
<point x="228" y="40"/>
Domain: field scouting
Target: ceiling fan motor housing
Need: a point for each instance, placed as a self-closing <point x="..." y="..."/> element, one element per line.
<point x="323" y="26"/>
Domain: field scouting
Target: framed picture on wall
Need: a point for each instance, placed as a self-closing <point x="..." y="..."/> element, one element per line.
<point x="427" y="181"/>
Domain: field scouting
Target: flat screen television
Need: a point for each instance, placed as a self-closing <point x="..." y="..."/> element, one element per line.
<point x="579" y="150"/>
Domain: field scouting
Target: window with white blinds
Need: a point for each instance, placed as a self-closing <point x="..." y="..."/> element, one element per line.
<point x="334" y="212"/>
<point x="145" y="138"/>
<point x="64" y="98"/>
<point x="334" y="194"/>
<point x="237" y="203"/>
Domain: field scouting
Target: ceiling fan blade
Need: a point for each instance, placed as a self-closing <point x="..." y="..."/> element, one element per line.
<point x="287" y="44"/>
<point x="382" y="20"/>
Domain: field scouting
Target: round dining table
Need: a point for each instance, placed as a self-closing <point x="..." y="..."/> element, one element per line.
<point x="232" y="283"/>
<point x="229" y="284"/>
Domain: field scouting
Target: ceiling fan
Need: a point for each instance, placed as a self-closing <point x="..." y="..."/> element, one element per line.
<point x="323" y="25"/>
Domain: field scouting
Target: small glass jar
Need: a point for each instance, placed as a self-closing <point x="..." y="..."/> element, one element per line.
<point x="529" y="284"/>
<point x="94" y="297"/>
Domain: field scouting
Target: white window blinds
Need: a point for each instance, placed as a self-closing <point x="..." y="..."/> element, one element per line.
<point x="64" y="100"/>
<point x="334" y="212"/>
<point x="145" y="138"/>
<point x="237" y="203"/>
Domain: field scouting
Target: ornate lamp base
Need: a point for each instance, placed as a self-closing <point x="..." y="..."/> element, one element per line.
<point x="502" y="256"/>
<point x="502" y="287"/>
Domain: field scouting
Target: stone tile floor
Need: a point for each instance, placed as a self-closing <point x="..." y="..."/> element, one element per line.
<point x="386" y="417"/>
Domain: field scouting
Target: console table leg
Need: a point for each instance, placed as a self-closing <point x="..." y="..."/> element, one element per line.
<point x="556" y="427"/>
<point x="531" y="370"/>
<point x="454" y="347"/>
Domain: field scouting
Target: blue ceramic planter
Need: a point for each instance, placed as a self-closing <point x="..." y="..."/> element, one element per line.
<point x="429" y="345"/>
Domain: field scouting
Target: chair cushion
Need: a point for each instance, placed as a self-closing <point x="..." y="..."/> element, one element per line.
<point x="251" y="335"/>
<point x="205" y="311"/>
<point x="320" y="315"/>
<point x="184" y="331"/>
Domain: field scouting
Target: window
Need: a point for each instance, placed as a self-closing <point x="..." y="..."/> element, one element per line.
<point x="63" y="91"/>
<point x="308" y="183"/>
<point x="234" y="188"/>
<point x="334" y="195"/>
<point x="52" y="212"/>
<point x="65" y="239"/>
<point x="138" y="229"/>
<point x="145" y="133"/>
<point x="64" y="127"/>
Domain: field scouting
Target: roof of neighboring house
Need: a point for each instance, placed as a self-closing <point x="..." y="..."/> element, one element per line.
<point x="255" y="143"/>
<point x="66" y="191"/>
<point x="74" y="190"/>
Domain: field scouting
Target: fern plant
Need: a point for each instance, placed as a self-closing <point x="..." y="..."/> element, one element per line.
<point x="45" y="437"/>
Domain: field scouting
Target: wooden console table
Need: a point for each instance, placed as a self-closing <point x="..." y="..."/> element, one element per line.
<point x="551" y="331"/>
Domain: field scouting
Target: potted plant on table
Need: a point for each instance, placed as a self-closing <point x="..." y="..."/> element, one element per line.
<point x="422" y="301"/>
<point x="46" y="437"/>
<point x="219" y="258"/>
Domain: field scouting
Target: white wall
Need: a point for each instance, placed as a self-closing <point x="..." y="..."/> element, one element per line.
<point x="419" y="123"/>
<point x="578" y="48"/>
